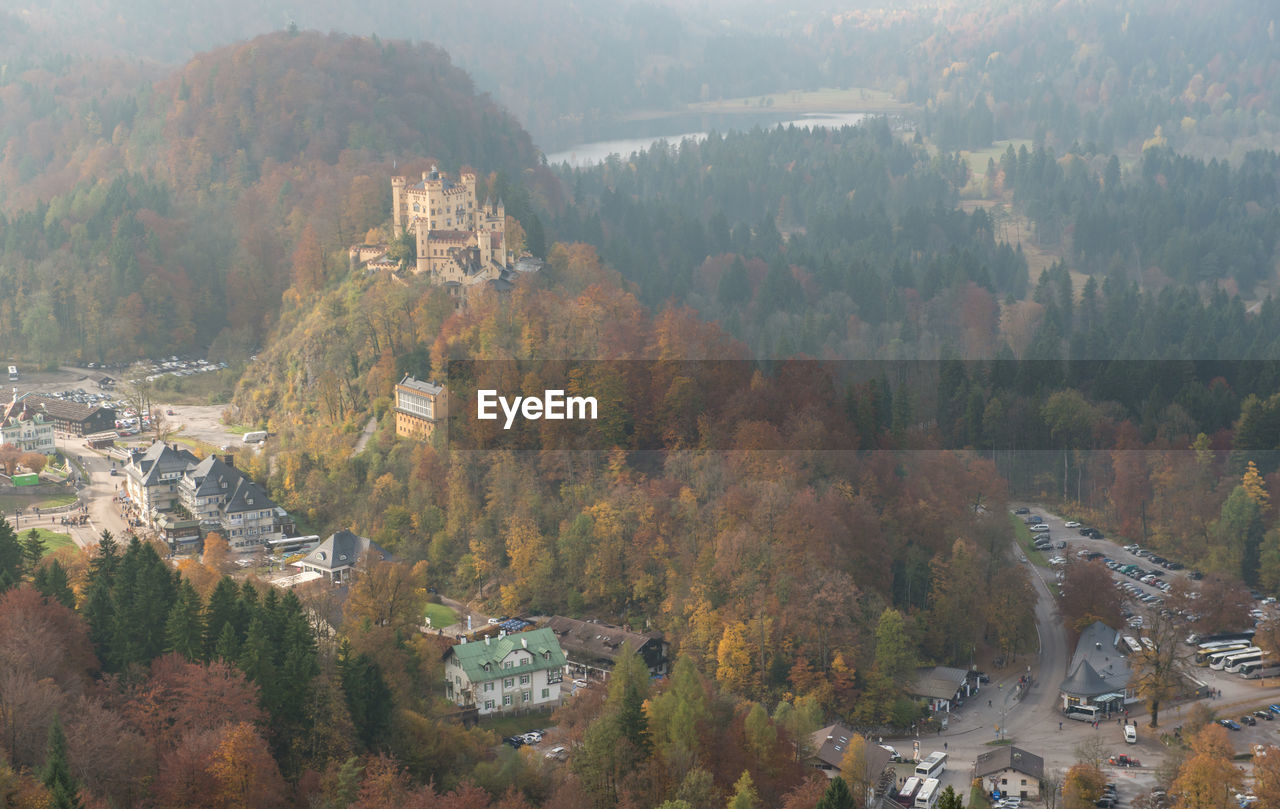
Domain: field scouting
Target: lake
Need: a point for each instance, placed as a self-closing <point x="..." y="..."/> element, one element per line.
<point x="586" y="154"/>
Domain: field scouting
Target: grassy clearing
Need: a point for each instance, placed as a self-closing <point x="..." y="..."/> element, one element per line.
<point x="1026" y="540"/>
<point x="441" y="615"/>
<point x="855" y="99"/>
<point x="203" y="449"/>
<point x="53" y="541"/>
<point x="12" y="502"/>
<point x="979" y="157"/>
<point x="511" y="725"/>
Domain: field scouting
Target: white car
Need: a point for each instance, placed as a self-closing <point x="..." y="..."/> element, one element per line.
<point x="1072" y="524"/>
<point x="1040" y="528"/>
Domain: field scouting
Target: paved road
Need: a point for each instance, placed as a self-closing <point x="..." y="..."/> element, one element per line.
<point x="99" y="492"/>
<point x="365" y="435"/>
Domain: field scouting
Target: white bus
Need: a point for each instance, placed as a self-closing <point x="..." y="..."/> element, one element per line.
<point x="1132" y="644"/>
<point x="1084" y="713"/>
<point x="928" y="794"/>
<point x="908" y="792"/>
<point x="1211" y="658"/>
<point x="1218" y="661"/>
<point x="1232" y="665"/>
<point x="1259" y="669"/>
<point x="1202" y="656"/>
<point x="933" y="766"/>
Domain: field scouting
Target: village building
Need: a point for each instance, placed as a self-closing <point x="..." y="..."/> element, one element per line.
<point x="512" y="672"/>
<point x="942" y="687"/>
<point x="26" y="429"/>
<point x="419" y="409"/>
<point x="592" y="648"/>
<point x="72" y="417"/>
<point x="171" y="486"/>
<point x="831" y="744"/>
<point x="338" y="555"/>
<point x="1099" y="673"/>
<point x="1012" y="771"/>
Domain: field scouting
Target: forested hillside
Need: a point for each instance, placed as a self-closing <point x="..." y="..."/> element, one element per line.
<point x="150" y="218"/>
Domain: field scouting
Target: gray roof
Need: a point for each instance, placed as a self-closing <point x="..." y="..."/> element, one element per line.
<point x="1009" y="758"/>
<point x="595" y="641"/>
<point x="63" y="409"/>
<point x="421" y="386"/>
<point x="939" y="682"/>
<point x="1097" y="666"/>
<point x="158" y="459"/>
<point x="213" y="477"/>
<point x="341" y="550"/>
<point x="832" y="742"/>
<point x="248" y="496"/>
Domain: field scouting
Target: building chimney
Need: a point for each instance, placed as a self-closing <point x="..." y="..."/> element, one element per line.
<point x="229" y="460"/>
<point x="486" y="640"/>
<point x="524" y="642"/>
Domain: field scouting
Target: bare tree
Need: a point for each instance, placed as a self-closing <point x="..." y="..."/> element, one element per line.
<point x="1092" y="751"/>
<point x="1050" y="788"/>
<point x="1158" y="669"/>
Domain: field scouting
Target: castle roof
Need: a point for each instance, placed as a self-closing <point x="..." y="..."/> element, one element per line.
<point x="421" y="386"/>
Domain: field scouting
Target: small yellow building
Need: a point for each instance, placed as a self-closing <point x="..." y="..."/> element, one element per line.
<point x="420" y="406"/>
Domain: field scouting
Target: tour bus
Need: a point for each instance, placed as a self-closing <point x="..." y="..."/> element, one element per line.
<point x="932" y="766"/>
<point x="1218" y="660"/>
<point x="928" y="794"/>
<point x="1259" y="669"/>
<point x="1084" y="713"/>
<point x="1232" y="664"/>
<point x="1206" y="657"/>
<point x="13" y="373"/>
<point x="907" y="794"/>
<point x="1132" y="644"/>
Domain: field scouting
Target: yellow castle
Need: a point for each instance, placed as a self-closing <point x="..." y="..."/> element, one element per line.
<point x="458" y="240"/>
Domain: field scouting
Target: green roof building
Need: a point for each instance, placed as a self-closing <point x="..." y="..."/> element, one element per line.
<point x="521" y="671"/>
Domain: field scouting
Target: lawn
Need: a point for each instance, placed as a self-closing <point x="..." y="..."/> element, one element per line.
<point x="510" y="725"/>
<point x="53" y="541"/>
<point x="11" y="502"/>
<point x="441" y="616"/>
<point x="213" y="387"/>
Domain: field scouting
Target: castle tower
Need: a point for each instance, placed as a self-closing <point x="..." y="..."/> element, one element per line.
<point x="397" y="201"/>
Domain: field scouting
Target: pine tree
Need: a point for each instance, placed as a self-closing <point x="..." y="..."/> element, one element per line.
<point x="99" y="613"/>
<point x="369" y="699"/>
<point x="10" y="556"/>
<point x="103" y="565"/>
<point x="32" y="552"/>
<point x="57" y="772"/>
<point x="837" y="796"/>
<point x="227" y="647"/>
<point x="184" y="631"/>
<point x="51" y="580"/>
<point x="223" y="609"/>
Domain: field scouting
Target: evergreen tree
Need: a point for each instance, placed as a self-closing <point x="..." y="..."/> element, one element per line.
<point x="184" y="631"/>
<point x="257" y="661"/>
<point x="628" y="687"/>
<point x="950" y="799"/>
<point x="104" y="564"/>
<point x="837" y="796"/>
<point x="32" y="552"/>
<point x="10" y="556"/>
<point x="222" y="611"/>
<point x="99" y="613"/>
<point x="368" y="698"/>
<point x="227" y="647"/>
<point x="51" y="580"/>
<point x="56" y="776"/>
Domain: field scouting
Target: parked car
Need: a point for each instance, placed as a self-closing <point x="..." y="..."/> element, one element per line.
<point x="1248" y="719"/>
<point x="1023" y="510"/>
<point x="1230" y="724"/>
<point x="1123" y="761"/>
<point x="1072" y="524"/>
<point x="1263" y="715"/>
<point x="1040" y="528"/>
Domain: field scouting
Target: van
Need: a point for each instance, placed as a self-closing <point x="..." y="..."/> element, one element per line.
<point x="557" y="753"/>
<point x="1131" y="734"/>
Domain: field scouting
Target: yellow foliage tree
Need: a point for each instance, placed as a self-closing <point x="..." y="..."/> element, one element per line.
<point x="1208" y="779"/>
<point x="734" y="671"/>
<point x="1255" y="487"/>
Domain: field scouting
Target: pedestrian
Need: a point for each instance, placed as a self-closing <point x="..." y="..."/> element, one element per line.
<point x="988" y="703"/>
<point x="1118" y="720"/>
<point x="1059" y="727"/>
<point x="944" y="746"/>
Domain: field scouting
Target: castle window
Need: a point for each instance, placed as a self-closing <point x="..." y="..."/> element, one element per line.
<point x="415" y="207"/>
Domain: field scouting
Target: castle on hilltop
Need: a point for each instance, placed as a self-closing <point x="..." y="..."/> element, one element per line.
<point x="460" y="244"/>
